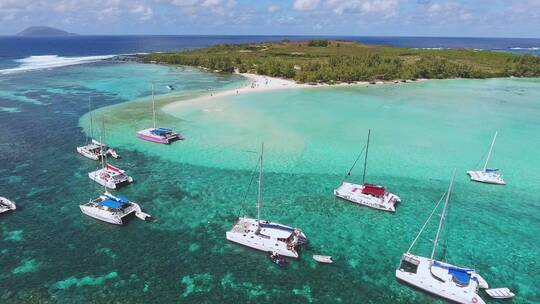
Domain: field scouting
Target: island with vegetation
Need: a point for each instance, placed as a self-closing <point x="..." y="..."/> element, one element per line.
<point x="323" y="61"/>
<point x="43" y="31"/>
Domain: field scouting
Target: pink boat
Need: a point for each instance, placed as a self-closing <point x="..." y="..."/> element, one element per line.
<point x="158" y="135"/>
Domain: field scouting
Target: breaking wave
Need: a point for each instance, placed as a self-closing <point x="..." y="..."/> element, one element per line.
<point x="51" y="61"/>
<point x="525" y="48"/>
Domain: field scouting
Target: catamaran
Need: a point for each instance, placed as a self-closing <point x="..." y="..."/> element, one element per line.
<point x="158" y="135"/>
<point x="488" y="175"/>
<point x="370" y="195"/>
<point x="264" y="235"/>
<point x="112" y="208"/>
<point x="6" y="205"/>
<point x="457" y="284"/>
<point x="95" y="150"/>
<point x="109" y="176"/>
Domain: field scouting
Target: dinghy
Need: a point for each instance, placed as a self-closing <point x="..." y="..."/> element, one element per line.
<point x="277" y="259"/>
<point x="323" y="259"/>
<point x="456" y="284"/>
<point x="6" y="205"/>
<point x="488" y="175"/>
<point x="500" y="293"/>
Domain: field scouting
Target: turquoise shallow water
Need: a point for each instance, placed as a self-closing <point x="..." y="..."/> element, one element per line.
<point x="196" y="188"/>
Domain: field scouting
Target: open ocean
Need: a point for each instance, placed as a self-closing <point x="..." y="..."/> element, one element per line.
<point x="50" y="252"/>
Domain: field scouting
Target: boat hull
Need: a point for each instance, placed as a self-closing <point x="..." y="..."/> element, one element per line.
<point x="101" y="215"/>
<point x="99" y="177"/>
<point x="353" y="193"/>
<point x="245" y="233"/>
<point x="147" y="135"/>
<point x="486" y="177"/>
<point x="423" y="279"/>
<point x="6" y="205"/>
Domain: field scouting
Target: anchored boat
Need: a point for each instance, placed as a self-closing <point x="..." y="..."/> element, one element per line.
<point x="457" y="284"/>
<point x="109" y="176"/>
<point x="158" y="135"/>
<point x="264" y="235"/>
<point x="6" y="205"/>
<point x="370" y="195"/>
<point x="94" y="149"/>
<point x="112" y="208"/>
<point x="488" y="175"/>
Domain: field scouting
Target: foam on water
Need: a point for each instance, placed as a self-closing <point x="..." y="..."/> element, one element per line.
<point x="51" y="61"/>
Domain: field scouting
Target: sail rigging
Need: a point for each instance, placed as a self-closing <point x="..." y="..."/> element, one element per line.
<point x="490" y="150"/>
<point x="443" y="216"/>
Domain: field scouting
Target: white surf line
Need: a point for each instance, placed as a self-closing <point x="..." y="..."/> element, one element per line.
<point x="51" y="61"/>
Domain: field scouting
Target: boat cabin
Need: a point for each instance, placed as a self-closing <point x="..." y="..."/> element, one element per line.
<point x="373" y="190"/>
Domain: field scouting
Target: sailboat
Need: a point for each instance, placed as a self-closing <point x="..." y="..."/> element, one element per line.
<point x="488" y="175"/>
<point x="158" y="135"/>
<point x="112" y="208"/>
<point x="95" y="150"/>
<point x="109" y="176"/>
<point x="264" y="235"/>
<point x="370" y="195"/>
<point x="457" y="284"/>
<point x="6" y="205"/>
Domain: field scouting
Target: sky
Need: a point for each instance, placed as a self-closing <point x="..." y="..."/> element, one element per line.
<point x="449" y="18"/>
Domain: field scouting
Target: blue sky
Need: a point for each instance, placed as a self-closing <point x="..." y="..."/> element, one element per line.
<point x="476" y="18"/>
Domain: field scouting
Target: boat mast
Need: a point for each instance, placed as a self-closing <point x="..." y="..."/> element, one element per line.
<point x="91" y="118"/>
<point x="259" y="198"/>
<point x="102" y="156"/>
<point x="443" y="215"/>
<point x="490" y="150"/>
<point x="365" y="159"/>
<point x="153" y="107"/>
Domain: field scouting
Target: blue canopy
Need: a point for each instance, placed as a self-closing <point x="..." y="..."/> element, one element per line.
<point x="118" y="198"/>
<point x="111" y="204"/>
<point x="491" y="170"/>
<point x="461" y="275"/>
<point x="161" y="131"/>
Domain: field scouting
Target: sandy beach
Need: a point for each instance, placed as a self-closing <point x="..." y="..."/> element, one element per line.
<point x="256" y="83"/>
<point x="261" y="83"/>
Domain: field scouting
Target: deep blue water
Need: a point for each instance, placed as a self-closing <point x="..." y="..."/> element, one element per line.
<point x="21" y="47"/>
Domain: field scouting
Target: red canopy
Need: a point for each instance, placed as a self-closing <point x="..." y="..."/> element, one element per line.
<point x="374" y="190"/>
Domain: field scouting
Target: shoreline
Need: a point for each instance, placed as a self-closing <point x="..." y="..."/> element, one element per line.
<point x="260" y="83"/>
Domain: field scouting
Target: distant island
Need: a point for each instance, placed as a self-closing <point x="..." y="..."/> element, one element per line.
<point x="43" y="31"/>
<point x="323" y="61"/>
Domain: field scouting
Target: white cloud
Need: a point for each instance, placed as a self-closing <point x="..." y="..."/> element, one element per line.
<point x="305" y="5"/>
<point x="274" y="8"/>
<point x="386" y="8"/>
<point x="448" y="11"/>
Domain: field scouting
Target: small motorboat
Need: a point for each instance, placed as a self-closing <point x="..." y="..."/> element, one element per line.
<point x="500" y="293"/>
<point x="323" y="259"/>
<point x="6" y="205"/>
<point x="170" y="87"/>
<point x="277" y="259"/>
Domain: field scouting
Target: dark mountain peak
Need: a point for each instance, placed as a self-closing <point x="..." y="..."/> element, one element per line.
<point x="43" y="31"/>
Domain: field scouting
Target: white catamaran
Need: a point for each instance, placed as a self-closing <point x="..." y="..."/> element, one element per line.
<point x="112" y="208"/>
<point x="6" y="205"/>
<point x="488" y="175"/>
<point x="110" y="176"/>
<point x="453" y="283"/>
<point x="94" y="149"/>
<point x="264" y="235"/>
<point x="369" y="195"/>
